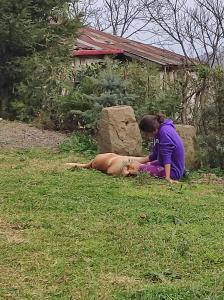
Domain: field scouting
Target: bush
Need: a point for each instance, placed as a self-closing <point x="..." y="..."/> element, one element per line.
<point x="79" y="142"/>
<point x="212" y="121"/>
<point x="81" y="108"/>
<point x="110" y="84"/>
<point x="48" y="97"/>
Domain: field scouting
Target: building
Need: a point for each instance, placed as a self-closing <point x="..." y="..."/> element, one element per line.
<point x="94" y="46"/>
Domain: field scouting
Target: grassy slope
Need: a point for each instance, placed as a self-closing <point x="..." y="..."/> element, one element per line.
<point x="84" y="235"/>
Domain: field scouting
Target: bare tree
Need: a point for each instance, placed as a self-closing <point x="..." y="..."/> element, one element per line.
<point x="197" y="29"/>
<point x="123" y="18"/>
<point x="88" y="10"/>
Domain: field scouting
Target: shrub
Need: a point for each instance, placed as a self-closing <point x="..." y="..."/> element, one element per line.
<point x="212" y="121"/>
<point x="79" y="142"/>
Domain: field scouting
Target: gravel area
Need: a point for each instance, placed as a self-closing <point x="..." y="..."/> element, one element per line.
<point x="18" y="135"/>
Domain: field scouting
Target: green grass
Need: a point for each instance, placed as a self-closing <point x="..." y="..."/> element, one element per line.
<point x="85" y="235"/>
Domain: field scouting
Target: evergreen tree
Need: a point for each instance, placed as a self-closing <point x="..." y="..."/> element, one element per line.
<point x="30" y="28"/>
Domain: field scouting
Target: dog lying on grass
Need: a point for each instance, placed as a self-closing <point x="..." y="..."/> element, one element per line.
<point x="113" y="164"/>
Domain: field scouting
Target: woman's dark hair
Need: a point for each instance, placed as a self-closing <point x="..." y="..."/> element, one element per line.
<point x="150" y="123"/>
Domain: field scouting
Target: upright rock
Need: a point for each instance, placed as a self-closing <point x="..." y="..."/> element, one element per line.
<point x="188" y="135"/>
<point x="119" y="132"/>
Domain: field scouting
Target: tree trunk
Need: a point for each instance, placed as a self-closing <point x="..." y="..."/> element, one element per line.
<point x="4" y="102"/>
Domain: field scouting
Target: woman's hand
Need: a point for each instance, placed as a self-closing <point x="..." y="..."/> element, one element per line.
<point x="167" y="172"/>
<point x="171" y="180"/>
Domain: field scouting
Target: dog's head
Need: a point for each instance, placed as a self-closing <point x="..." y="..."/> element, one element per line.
<point x="130" y="168"/>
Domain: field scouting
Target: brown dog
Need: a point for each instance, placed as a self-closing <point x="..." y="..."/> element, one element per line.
<point x="113" y="164"/>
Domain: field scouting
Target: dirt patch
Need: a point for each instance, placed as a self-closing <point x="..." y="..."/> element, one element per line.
<point x="121" y="280"/>
<point x="18" y="135"/>
<point x="10" y="233"/>
<point x="210" y="178"/>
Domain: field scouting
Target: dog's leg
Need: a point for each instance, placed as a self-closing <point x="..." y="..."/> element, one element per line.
<point x="77" y="165"/>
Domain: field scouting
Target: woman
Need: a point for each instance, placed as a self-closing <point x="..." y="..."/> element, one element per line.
<point x="167" y="159"/>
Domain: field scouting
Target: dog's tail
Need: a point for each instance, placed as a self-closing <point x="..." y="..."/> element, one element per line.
<point x="77" y="165"/>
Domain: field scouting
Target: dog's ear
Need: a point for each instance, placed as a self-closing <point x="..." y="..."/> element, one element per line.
<point x="132" y="168"/>
<point x="125" y="170"/>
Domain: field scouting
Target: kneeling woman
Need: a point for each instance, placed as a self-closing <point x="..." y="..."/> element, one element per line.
<point x="168" y="158"/>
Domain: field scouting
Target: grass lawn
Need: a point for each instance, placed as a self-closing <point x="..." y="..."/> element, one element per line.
<point x="85" y="235"/>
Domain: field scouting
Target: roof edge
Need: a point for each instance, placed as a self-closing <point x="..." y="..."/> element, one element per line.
<point x="97" y="52"/>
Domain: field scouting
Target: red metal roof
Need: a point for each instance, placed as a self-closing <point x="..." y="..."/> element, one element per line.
<point x="97" y="52"/>
<point x="92" y="40"/>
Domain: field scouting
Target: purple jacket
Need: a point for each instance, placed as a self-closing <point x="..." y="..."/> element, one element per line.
<point x="169" y="149"/>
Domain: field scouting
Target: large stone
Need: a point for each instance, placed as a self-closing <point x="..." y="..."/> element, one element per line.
<point x="119" y="132"/>
<point x="188" y="135"/>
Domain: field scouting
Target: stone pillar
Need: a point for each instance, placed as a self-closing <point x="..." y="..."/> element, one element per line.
<point x="119" y="132"/>
<point x="188" y="135"/>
